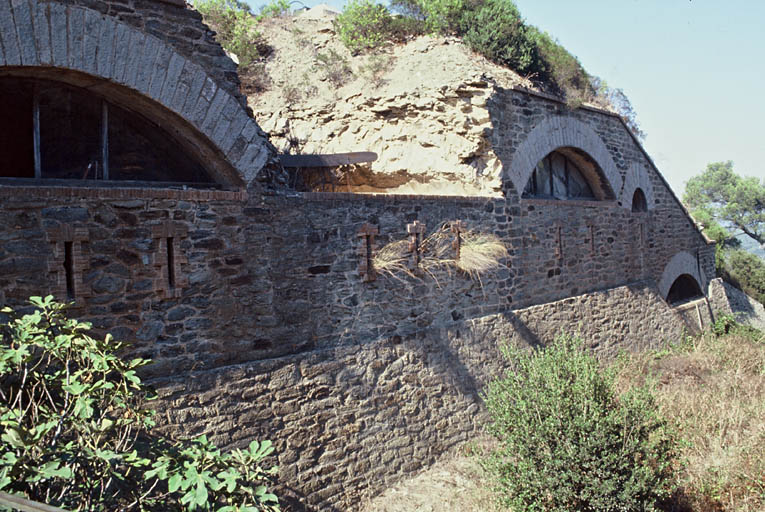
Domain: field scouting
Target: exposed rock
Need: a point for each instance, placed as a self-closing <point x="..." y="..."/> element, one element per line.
<point x="423" y="107"/>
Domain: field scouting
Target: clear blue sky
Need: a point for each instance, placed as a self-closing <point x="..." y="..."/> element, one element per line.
<point x="694" y="71"/>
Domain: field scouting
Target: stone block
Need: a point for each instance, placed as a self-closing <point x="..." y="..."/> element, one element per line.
<point x="214" y="113"/>
<point x="90" y="40"/>
<point x="22" y="13"/>
<point x="138" y="41"/>
<point x="8" y="34"/>
<point x="75" y="33"/>
<point x="159" y="71"/>
<point x="58" y="34"/>
<point x="174" y="69"/>
<point x="197" y="79"/>
<point x="146" y="64"/>
<point x="238" y="123"/>
<point x="42" y="34"/>
<point x="106" y="48"/>
<point x="228" y="111"/>
<point x="253" y="160"/>
<point x="121" y="51"/>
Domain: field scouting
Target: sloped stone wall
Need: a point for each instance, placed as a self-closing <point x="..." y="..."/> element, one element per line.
<point x="350" y="420"/>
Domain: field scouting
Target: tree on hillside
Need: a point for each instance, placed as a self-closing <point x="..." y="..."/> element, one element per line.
<point x="722" y="203"/>
<point x="720" y="196"/>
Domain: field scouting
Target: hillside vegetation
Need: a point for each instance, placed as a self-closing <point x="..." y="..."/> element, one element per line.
<point x="494" y="29"/>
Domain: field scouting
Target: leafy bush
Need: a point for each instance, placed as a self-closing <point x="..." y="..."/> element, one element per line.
<point x="274" y="9"/>
<point x="75" y="432"/>
<point x="496" y="31"/>
<point x="568" y="442"/>
<point x="363" y="25"/>
<point x="236" y="30"/>
<point x="436" y="16"/>
<point x="744" y="270"/>
<point x="493" y="28"/>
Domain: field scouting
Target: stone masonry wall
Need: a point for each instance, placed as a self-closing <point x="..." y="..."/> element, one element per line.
<point x="178" y="25"/>
<point x="260" y="324"/>
<point x="668" y="227"/>
<point x="350" y="420"/>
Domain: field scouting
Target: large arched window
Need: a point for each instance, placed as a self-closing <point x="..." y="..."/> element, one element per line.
<point x="567" y="174"/>
<point x="54" y="131"/>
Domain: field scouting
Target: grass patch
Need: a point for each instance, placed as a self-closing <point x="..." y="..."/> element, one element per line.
<point x="713" y="388"/>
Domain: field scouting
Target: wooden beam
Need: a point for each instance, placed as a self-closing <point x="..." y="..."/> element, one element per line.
<point x="330" y="160"/>
<point x="25" y="505"/>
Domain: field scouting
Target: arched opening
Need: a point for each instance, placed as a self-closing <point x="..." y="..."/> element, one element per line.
<point x="639" y="203"/>
<point x="683" y="289"/>
<point x="567" y="174"/>
<point x="62" y="132"/>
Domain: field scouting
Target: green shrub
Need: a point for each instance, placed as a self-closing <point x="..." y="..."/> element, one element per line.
<point x="236" y="30"/>
<point x="562" y="70"/>
<point x="363" y="25"/>
<point x="274" y="9"/>
<point x="744" y="270"/>
<point x="568" y="442"/>
<point x="496" y="31"/>
<point x="435" y="16"/>
<point x="75" y="432"/>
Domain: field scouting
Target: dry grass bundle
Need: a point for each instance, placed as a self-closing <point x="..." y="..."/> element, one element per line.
<point x="479" y="253"/>
<point x="393" y="259"/>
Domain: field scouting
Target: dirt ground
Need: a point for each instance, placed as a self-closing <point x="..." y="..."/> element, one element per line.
<point x="455" y="483"/>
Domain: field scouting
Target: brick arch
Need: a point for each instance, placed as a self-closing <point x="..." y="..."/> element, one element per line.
<point x="681" y="263"/>
<point x="556" y="132"/>
<point x="137" y="71"/>
<point x="636" y="178"/>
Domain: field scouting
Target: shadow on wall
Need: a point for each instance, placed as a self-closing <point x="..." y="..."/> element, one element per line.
<point x="350" y="421"/>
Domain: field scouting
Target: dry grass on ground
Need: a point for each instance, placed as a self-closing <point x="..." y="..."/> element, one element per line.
<point x="456" y="483"/>
<point x="713" y="388"/>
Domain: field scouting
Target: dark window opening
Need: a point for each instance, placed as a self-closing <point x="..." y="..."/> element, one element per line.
<point x="170" y="262"/>
<point x="557" y="176"/>
<point x="139" y="150"/>
<point x="69" y="133"/>
<point x="639" y="203"/>
<point x="69" y="270"/>
<point x="684" y="288"/>
<point x="17" y="132"/>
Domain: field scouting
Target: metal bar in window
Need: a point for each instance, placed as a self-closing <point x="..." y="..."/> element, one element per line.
<point x="565" y="171"/>
<point x="36" y="134"/>
<point x="105" y="139"/>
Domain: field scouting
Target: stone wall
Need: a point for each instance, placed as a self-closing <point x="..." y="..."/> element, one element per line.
<point x="181" y="27"/>
<point x="251" y="302"/>
<point x="270" y="332"/>
<point x="727" y="299"/>
<point x="350" y="420"/>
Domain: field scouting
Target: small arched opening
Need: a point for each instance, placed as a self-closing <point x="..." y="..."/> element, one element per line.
<point x="639" y="203"/>
<point x="684" y="289"/>
<point x="568" y="174"/>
